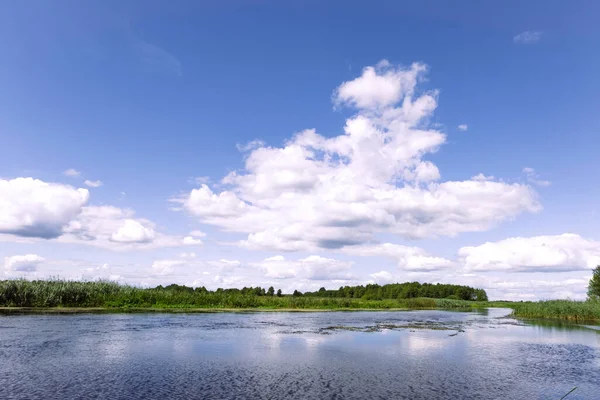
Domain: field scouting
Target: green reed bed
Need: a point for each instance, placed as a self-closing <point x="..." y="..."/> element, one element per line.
<point x="104" y="294"/>
<point x="577" y="311"/>
<point x="110" y="295"/>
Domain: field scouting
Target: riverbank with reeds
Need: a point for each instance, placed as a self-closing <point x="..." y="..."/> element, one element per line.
<point x="61" y="296"/>
<point x="111" y="295"/>
<point x="576" y="311"/>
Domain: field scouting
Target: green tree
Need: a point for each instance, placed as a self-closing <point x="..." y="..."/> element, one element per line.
<point x="480" y="295"/>
<point x="297" y="293"/>
<point x="279" y="293"/>
<point x="594" y="285"/>
<point x="271" y="291"/>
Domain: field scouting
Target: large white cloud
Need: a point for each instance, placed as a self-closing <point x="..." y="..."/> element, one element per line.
<point x="408" y="258"/>
<point x="225" y="265"/>
<point x="33" y="208"/>
<point x="165" y="267"/>
<point x="380" y="86"/>
<point x="24" y="263"/>
<point x="313" y="267"/>
<point x="116" y="228"/>
<point x="132" y="231"/>
<point x="566" y="252"/>
<point x="320" y="192"/>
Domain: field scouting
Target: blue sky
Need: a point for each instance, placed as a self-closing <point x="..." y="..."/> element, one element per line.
<point x="155" y="99"/>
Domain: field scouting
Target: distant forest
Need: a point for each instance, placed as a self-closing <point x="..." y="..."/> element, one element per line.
<point x="62" y="293"/>
<point x="405" y="290"/>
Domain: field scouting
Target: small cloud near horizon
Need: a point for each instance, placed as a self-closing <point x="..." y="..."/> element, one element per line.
<point x="528" y="37"/>
<point x="533" y="177"/>
<point x="463" y="127"/>
<point x="93" y="184"/>
<point x="72" y="172"/>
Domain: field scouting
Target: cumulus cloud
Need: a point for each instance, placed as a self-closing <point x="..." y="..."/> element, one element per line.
<point x="379" y="86"/>
<point x="132" y="231"/>
<point x="71" y="172"/>
<point x="407" y="258"/>
<point x="383" y="277"/>
<point x="312" y="268"/>
<point x="225" y="265"/>
<point x="534" y="178"/>
<point x="318" y="192"/>
<point x="199" y="180"/>
<point x="115" y="228"/>
<point x="94" y="184"/>
<point x="189" y="240"/>
<point x="165" y="267"/>
<point x="24" y="263"/>
<point x="463" y="127"/>
<point x="33" y="208"/>
<point x="566" y="252"/>
<point x="187" y="255"/>
<point x="528" y="37"/>
<point x="251" y="145"/>
<point x="197" y="234"/>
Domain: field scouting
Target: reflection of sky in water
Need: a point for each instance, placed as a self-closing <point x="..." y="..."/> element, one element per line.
<point x="296" y="355"/>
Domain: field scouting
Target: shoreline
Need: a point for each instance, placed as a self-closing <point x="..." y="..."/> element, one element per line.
<point x="4" y="311"/>
<point x="101" y="310"/>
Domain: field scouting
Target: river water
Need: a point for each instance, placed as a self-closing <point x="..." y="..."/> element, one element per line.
<point x="313" y="355"/>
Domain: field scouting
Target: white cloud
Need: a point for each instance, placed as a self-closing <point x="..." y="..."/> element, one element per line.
<point x="253" y="144"/>
<point x="165" y="267"/>
<point x="383" y="277"/>
<point x="115" y="229"/>
<point x="534" y="178"/>
<point x="33" y="208"/>
<point x="93" y="184"/>
<point x="197" y="234"/>
<point x="566" y="252"/>
<point x="463" y="127"/>
<point x="407" y="258"/>
<point x="379" y="86"/>
<point x="25" y="263"/>
<point x="187" y="255"/>
<point x="71" y="172"/>
<point x="311" y="268"/>
<point x="190" y="241"/>
<point x="133" y="231"/>
<point x="225" y="265"/>
<point x="199" y="180"/>
<point x="481" y="177"/>
<point x="528" y="37"/>
<point x="320" y="192"/>
<point x="100" y="271"/>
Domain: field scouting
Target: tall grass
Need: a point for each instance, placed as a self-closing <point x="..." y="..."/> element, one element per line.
<point x="60" y="293"/>
<point x="577" y="311"/>
<point x="105" y="294"/>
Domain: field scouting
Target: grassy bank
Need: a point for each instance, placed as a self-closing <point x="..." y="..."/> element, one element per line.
<point x="577" y="311"/>
<point x="103" y="295"/>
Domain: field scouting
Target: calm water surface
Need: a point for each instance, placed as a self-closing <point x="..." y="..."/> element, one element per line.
<point x="330" y="355"/>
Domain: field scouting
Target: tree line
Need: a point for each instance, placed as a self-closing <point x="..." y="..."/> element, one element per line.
<point x="245" y="291"/>
<point x="405" y="290"/>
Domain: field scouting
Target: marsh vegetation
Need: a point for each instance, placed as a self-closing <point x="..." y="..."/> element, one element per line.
<point x="58" y="293"/>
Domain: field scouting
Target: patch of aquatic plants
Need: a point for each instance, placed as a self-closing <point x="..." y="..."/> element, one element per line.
<point x="381" y="327"/>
